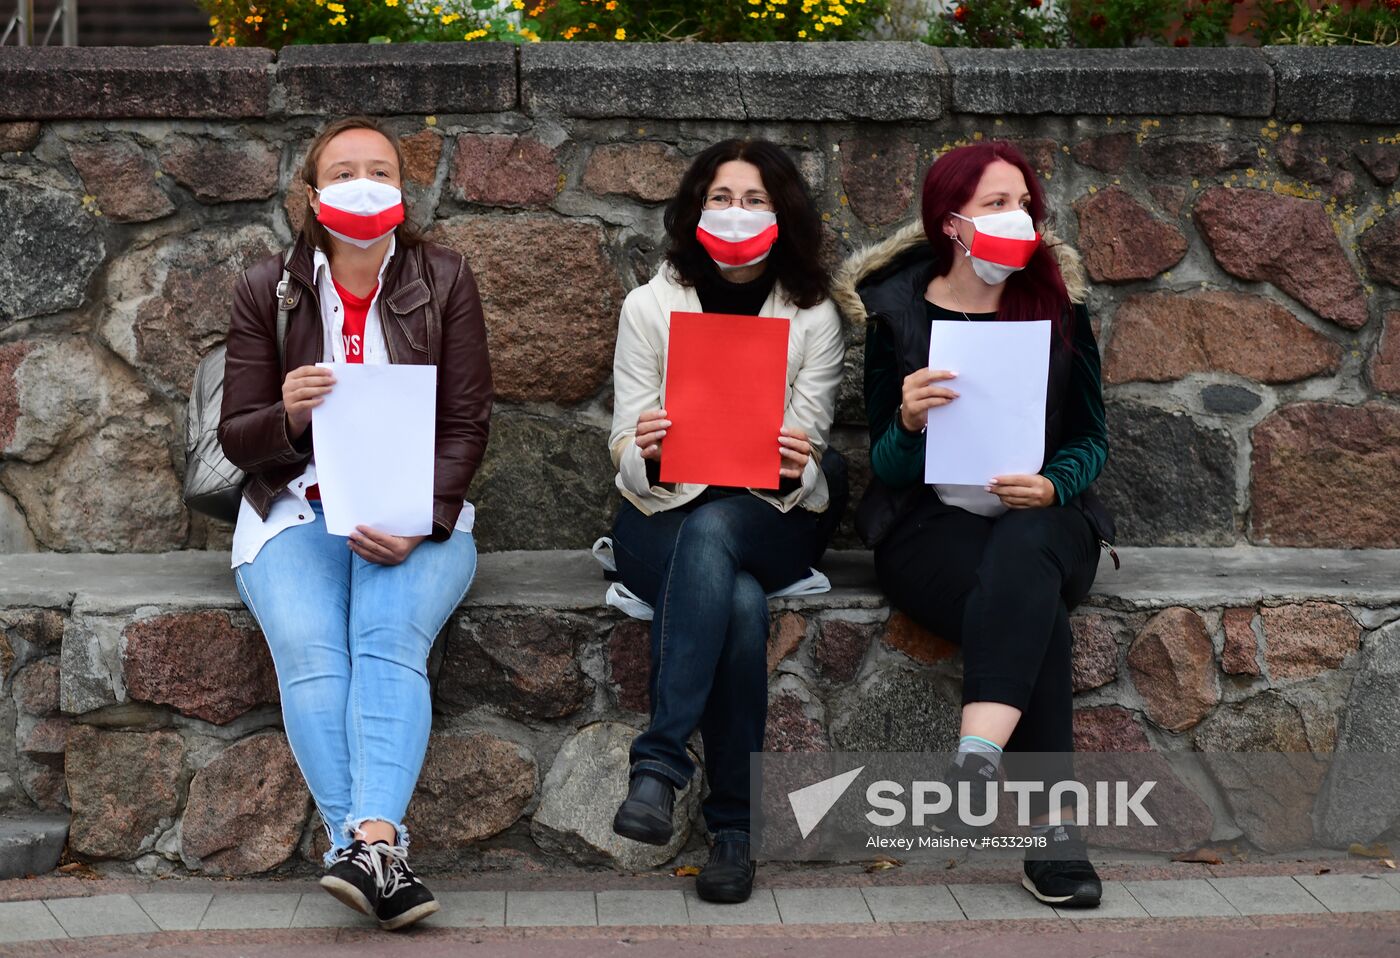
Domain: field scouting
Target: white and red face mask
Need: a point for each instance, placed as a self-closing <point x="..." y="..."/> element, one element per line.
<point x="361" y="212"/>
<point x="1002" y="244"/>
<point x="737" y="237"/>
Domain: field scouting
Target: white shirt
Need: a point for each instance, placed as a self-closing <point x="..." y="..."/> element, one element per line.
<point x="290" y="508"/>
<point x="972" y="498"/>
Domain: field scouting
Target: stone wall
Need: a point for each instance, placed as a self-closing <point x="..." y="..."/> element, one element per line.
<point x="1237" y="209"/>
<point x="143" y="700"/>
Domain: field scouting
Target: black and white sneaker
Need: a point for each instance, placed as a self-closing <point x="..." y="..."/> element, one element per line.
<point x="404" y="899"/>
<point x="972" y="772"/>
<point x="356" y="876"/>
<point x="1060" y="874"/>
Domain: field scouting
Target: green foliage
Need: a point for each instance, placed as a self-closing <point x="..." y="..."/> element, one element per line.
<point x="961" y="23"/>
<point x="1205" y="23"/>
<point x="709" y="20"/>
<point x="1030" y="24"/>
<point x="1119" y="23"/>
<point x="276" y="23"/>
<point x="1302" y="23"/>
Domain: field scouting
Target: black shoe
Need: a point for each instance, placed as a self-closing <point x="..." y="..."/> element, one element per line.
<point x="728" y="876"/>
<point x="356" y="876"/>
<point x="645" y="815"/>
<point x="1060" y="874"/>
<point x="404" y="898"/>
<point x="976" y="771"/>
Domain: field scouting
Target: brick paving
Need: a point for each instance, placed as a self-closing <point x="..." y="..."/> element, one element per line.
<point x="1353" y="908"/>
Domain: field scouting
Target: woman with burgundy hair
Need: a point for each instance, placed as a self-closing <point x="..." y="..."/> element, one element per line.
<point x="995" y="567"/>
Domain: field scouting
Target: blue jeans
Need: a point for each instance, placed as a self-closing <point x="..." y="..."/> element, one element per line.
<point x="706" y="567"/>
<point x="350" y="640"/>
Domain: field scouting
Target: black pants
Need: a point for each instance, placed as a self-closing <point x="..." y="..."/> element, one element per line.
<point x="1002" y="588"/>
<point x="706" y="568"/>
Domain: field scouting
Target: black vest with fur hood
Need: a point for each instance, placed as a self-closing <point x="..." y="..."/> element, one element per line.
<point x="885" y="283"/>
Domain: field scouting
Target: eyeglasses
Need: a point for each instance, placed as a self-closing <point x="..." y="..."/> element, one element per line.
<point x="749" y="201"/>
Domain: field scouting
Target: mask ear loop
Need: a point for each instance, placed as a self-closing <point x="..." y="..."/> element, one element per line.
<point x="957" y="239"/>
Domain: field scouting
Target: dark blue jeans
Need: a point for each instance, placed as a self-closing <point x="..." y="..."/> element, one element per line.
<point x="706" y="567"/>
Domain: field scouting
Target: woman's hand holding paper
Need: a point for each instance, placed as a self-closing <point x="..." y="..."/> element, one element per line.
<point x="303" y="390"/>
<point x="1023" y="492"/>
<point x="795" y="450"/>
<point x="919" y="395"/>
<point x="381" y="547"/>
<point x="651" y="429"/>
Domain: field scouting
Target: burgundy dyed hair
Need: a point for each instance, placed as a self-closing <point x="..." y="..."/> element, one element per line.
<point x="1036" y="292"/>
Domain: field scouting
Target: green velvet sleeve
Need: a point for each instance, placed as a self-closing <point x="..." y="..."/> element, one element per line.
<point x="1084" y="449"/>
<point x="896" y="455"/>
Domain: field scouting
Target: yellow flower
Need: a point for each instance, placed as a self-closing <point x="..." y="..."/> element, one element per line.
<point x="621" y="34"/>
<point x="802" y="34"/>
<point x="391" y="3"/>
<point x="213" y="21"/>
<point x="518" y="4"/>
<point x="338" y="21"/>
<point x="610" y="5"/>
<point x="335" y="7"/>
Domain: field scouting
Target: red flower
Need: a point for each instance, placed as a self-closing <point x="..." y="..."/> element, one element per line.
<point x="960" y="14"/>
<point x="1181" y="42"/>
<point x="1035" y="4"/>
<point x="1098" y="21"/>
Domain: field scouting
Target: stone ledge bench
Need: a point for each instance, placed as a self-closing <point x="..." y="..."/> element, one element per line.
<point x="139" y="695"/>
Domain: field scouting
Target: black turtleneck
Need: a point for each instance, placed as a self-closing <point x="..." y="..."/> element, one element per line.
<point x="719" y="295"/>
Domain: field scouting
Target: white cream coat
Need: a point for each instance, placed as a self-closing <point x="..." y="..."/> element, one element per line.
<point x="816" y="354"/>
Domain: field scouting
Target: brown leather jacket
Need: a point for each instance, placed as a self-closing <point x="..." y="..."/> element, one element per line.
<point x="431" y="314"/>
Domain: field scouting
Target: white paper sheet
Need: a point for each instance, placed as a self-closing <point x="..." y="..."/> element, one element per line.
<point x="996" y="426"/>
<point x="373" y="439"/>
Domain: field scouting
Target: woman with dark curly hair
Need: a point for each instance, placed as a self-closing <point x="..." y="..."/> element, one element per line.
<point x="745" y="239"/>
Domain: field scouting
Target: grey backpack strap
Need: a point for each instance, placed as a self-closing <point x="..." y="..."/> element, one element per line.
<point x="285" y="301"/>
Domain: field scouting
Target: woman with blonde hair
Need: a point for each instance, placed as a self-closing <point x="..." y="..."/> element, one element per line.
<point x="350" y="619"/>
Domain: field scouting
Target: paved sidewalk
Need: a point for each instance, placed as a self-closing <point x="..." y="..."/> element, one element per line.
<point x="298" y="913"/>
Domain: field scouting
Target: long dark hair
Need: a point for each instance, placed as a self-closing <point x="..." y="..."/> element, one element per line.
<point x="1036" y="292"/>
<point x="315" y="235"/>
<point x="796" y="256"/>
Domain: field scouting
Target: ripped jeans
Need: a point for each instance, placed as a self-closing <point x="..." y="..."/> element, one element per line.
<point x="350" y="640"/>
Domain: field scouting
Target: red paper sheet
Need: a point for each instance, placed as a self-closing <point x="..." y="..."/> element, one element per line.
<point x="725" y="379"/>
